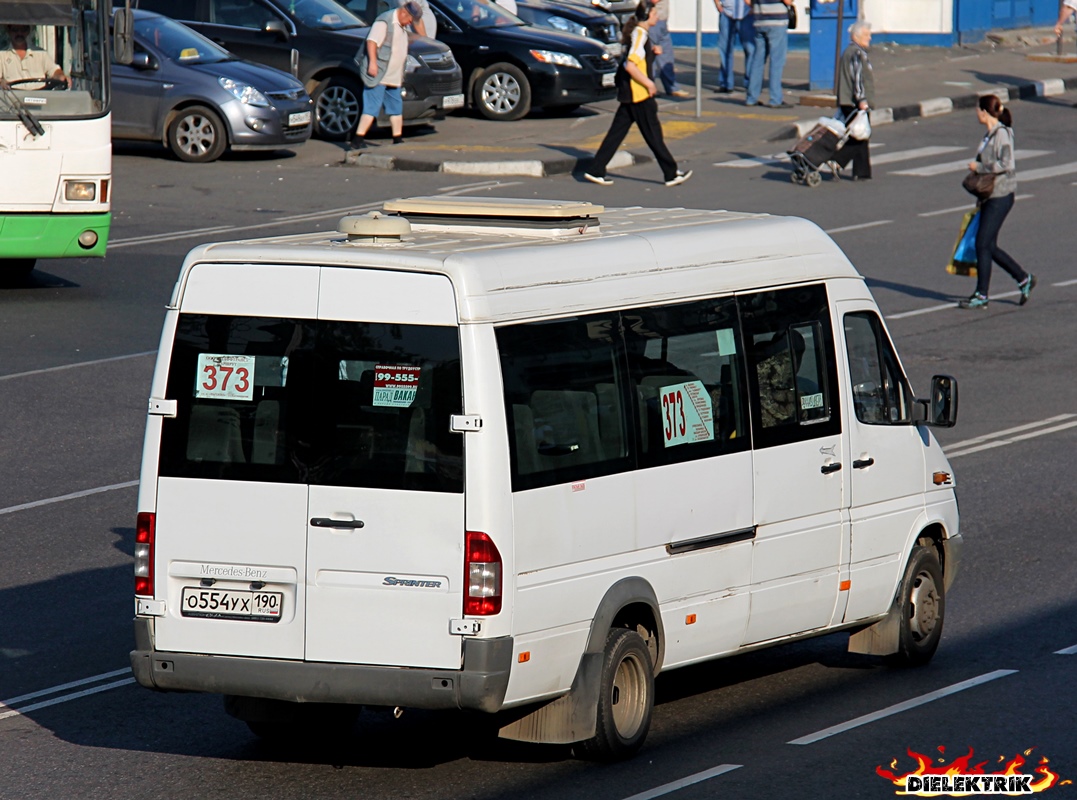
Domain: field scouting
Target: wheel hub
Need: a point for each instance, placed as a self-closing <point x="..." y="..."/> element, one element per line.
<point x="338" y="111"/>
<point x="925" y="606"/>
<point x="195" y="135"/>
<point x="501" y="93"/>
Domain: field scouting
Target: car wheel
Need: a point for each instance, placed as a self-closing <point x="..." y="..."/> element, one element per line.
<point x="14" y="271"/>
<point x="922" y="605"/>
<point x="197" y="135"/>
<point x="502" y="92"/>
<point x="338" y="102"/>
<point x="625" y="699"/>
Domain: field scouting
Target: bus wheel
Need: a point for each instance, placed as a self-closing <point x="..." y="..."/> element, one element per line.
<point x="15" y="270"/>
<point x="625" y="700"/>
<point x="922" y="605"/>
<point x="197" y="135"/>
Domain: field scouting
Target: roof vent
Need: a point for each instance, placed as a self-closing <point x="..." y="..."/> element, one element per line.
<point x="374" y="228"/>
<point x="501" y="214"/>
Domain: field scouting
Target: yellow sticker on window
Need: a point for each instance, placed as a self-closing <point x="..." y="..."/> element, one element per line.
<point x="188" y="53"/>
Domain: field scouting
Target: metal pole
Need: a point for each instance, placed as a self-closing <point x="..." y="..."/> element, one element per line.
<point x="699" y="58"/>
<point x="837" y="46"/>
<point x="1058" y="44"/>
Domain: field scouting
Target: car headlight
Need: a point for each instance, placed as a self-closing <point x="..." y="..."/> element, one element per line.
<point x="567" y="25"/>
<point x="411" y="64"/>
<point x="605" y="5"/>
<point x="557" y="59"/>
<point x="243" y="92"/>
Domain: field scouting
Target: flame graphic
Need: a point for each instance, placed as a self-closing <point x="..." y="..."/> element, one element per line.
<point x="963" y="766"/>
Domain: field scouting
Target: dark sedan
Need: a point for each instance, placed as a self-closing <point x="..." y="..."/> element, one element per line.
<point x="573" y="17"/>
<point x="198" y="99"/>
<point x="317" y="41"/>
<point x="510" y="66"/>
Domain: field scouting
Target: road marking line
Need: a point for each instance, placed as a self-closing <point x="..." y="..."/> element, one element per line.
<point x="861" y="226"/>
<point x="993" y="444"/>
<point x="64" y="686"/>
<point x="1069" y="651"/>
<point x="917" y="152"/>
<point x="754" y="161"/>
<point x="890" y="711"/>
<point x="958" y="166"/>
<point x="1065" y="283"/>
<point x="76" y="364"/>
<point x="72" y="496"/>
<point x="691" y="780"/>
<point x="66" y="698"/>
<point x="965" y="208"/>
<point x="1019" y="429"/>
<point x="1048" y="172"/>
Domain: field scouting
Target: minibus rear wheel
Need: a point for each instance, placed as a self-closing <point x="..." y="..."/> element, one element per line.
<point x="922" y="605"/>
<point x="625" y="700"/>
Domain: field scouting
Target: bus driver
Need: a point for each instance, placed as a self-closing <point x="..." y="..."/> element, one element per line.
<point x="19" y="62"/>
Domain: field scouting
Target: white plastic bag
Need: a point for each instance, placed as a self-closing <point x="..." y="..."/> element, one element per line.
<point x="833" y="124"/>
<point x="860" y="126"/>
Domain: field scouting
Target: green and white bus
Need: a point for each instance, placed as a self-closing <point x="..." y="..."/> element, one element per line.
<point x="55" y="132"/>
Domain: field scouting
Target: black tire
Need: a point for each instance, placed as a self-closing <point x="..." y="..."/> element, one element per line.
<point x="338" y="103"/>
<point x="14" y="271"/>
<point x="197" y="135"/>
<point x="501" y="92"/>
<point x="625" y="700"/>
<point x="922" y="607"/>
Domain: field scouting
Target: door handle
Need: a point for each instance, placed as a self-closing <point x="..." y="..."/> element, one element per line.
<point x="863" y="463"/>
<point x="826" y="469"/>
<point x="325" y="522"/>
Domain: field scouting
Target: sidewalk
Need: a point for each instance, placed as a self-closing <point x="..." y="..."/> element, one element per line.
<point x="910" y="82"/>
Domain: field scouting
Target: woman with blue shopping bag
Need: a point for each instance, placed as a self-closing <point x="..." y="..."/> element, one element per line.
<point x="993" y="179"/>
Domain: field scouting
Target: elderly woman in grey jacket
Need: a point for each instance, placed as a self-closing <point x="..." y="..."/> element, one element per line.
<point x="995" y="156"/>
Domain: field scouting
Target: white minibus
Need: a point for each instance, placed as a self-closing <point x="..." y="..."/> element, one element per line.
<point x="520" y="457"/>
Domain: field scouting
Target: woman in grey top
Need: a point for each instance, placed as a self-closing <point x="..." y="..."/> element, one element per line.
<point x="996" y="157"/>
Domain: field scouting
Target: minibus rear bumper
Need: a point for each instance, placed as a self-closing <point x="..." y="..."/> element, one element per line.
<point x="479" y="686"/>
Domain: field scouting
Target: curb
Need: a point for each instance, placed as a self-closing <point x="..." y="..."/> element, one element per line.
<point x="528" y="168"/>
<point x="936" y="106"/>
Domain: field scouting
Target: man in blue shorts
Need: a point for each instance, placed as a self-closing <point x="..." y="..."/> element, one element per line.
<point x="383" y="58"/>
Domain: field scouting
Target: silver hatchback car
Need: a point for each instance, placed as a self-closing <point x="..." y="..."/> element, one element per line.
<point x="198" y="99"/>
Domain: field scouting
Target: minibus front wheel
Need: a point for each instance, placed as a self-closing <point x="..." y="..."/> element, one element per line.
<point x="625" y="700"/>
<point x="922" y="602"/>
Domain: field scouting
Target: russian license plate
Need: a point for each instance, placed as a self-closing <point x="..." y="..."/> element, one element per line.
<point x="452" y="101"/>
<point x="299" y="118"/>
<point x="231" y="604"/>
<point x="608" y="78"/>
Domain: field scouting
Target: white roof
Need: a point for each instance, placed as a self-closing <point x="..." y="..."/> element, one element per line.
<point x="640" y="256"/>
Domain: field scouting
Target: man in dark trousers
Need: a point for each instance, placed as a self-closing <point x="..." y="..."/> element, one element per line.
<point x="856" y="91"/>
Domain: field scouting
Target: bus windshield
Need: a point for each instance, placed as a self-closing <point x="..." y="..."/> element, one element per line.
<point x="53" y="59"/>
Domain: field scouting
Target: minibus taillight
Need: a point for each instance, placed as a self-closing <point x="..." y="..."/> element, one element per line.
<point x="482" y="572"/>
<point x="144" y="534"/>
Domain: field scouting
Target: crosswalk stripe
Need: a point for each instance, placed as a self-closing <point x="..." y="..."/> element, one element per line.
<point x="1047" y="172"/>
<point x="962" y="165"/>
<point x="916" y="152"/>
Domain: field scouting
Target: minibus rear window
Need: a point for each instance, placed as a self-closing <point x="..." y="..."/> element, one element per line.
<point x="319" y="402"/>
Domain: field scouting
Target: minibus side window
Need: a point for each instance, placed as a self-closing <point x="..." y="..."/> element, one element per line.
<point x="881" y="393"/>
<point x="791" y="365"/>
<point x="564" y="395"/>
<point x="687" y="369"/>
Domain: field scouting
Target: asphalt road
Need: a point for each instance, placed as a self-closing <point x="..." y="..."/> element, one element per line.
<point x="805" y="720"/>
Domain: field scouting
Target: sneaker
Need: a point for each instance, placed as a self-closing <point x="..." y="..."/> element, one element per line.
<point x="358" y="143"/>
<point x="976" y="301"/>
<point x="681" y="94"/>
<point x="782" y="104"/>
<point x="1026" y="287"/>
<point x="679" y="178"/>
<point x="398" y="140"/>
<point x="601" y="180"/>
<point x="724" y="90"/>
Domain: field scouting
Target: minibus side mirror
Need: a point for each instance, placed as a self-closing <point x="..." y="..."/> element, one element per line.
<point x="123" y="40"/>
<point x="940" y="409"/>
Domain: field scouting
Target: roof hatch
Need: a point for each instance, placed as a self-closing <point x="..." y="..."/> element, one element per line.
<point x="506" y="215"/>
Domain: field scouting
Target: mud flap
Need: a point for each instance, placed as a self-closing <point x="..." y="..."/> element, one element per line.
<point x="570" y="718"/>
<point x="882" y="638"/>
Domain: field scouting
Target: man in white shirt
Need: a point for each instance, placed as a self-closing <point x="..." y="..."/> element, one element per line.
<point x="20" y="62"/>
<point x="384" y="55"/>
